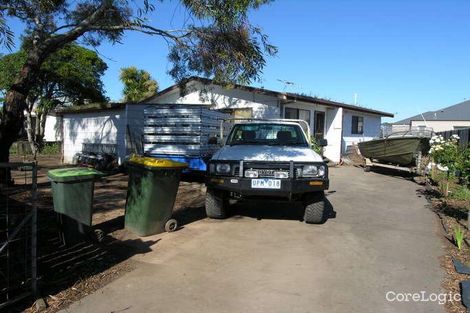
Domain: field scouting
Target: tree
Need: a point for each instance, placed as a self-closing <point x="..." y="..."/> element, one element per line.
<point x="218" y="41"/>
<point x="138" y="84"/>
<point x="70" y="76"/>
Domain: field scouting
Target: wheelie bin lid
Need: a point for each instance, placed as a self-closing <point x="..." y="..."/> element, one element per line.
<point x="156" y="163"/>
<point x="73" y="174"/>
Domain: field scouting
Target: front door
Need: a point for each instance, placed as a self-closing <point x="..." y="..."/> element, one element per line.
<point x="319" y="126"/>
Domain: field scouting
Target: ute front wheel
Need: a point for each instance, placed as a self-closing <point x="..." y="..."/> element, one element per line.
<point x="315" y="209"/>
<point x="215" y="204"/>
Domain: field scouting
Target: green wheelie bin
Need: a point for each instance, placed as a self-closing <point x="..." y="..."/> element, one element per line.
<point x="151" y="193"/>
<point x="72" y="191"/>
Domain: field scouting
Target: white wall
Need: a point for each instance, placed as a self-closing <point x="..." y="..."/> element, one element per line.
<point x="135" y="120"/>
<point x="440" y="126"/>
<point x="220" y="98"/>
<point x="107" y="127"/>
<point x="372" y="125"/>
<point x="333" y="124"/>
<point x="52" y="129"/>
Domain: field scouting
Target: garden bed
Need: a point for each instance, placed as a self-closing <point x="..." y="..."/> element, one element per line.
<point x="453" y="215"/>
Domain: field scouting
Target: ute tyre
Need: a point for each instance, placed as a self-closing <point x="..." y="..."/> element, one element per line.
<point x="315" y="210"/>
<point x="215" y="204"/>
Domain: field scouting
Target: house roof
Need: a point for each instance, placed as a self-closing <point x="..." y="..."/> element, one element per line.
<point x="92" y="107"/>
<point x="287" y="96"/>
<point x="456" y="112"/>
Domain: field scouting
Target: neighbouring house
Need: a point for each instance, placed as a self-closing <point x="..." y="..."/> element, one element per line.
<point x="119" y="123"/>
<point x="454" y="117"/>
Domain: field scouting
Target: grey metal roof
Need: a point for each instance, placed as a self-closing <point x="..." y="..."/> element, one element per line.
<point x="456" y="112"/>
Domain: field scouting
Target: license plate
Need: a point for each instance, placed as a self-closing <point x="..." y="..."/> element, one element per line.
<point x="266" y="183"/>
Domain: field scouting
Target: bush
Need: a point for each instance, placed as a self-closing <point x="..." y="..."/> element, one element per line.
<point x="50" y="148"/>
<point x="23" y="148"/>
<point x="315" y="146"/>
<point x="458" y="192"/>
<point x="449" y="156"/>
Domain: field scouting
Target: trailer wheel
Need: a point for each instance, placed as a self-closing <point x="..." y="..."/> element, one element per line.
<point x="215" y="204"/>
<point x="315" y="209"/>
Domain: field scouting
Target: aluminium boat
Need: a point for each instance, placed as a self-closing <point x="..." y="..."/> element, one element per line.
<point x="401" y="148"/>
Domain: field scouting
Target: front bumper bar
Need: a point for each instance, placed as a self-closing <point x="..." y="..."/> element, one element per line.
<point x="289" y="187"/>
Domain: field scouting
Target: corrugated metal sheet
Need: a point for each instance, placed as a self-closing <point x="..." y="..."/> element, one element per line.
<point x="180" y="130"/>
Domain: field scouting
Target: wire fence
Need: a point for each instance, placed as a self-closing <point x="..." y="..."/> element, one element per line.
<point x="464" y="135"/>
<point x="18" y="232"/>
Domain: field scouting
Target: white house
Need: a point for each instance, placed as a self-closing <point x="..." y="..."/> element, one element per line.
<point x="341" y="124"/>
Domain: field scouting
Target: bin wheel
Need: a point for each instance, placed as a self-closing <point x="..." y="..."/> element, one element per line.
<point x="99" y="235"/>
<point x="171" y="225"/>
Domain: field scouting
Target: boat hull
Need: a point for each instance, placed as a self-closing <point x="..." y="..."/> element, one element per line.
<point x="398" y="151"/>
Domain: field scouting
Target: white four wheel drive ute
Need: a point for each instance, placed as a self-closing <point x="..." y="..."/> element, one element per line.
<point x="268" y="159"/>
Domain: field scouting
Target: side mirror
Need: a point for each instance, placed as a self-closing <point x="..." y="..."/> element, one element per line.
<point x="323" y="142"/>
<point x="213" y="141"/>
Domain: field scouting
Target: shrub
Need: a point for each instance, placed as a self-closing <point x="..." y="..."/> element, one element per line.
<point x="459" y="235"/>
<point x="50" y="148"/>
<point x="315" y="146"/>
<point x="445" y="153"/>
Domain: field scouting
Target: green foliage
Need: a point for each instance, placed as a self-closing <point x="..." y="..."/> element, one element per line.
<point x="138" y="84"/>
<point x="459" y="235"/>
<point x="72" y="74"/>
<point x="445" y="152"/>
<point x="315" y="146"/>
<point x="51" y="148"/>
<point x="448" y="154"/>
<point x="458" y="192"/>
<point x="216" y="40"/>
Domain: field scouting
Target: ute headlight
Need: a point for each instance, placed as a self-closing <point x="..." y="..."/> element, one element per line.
<point x="313" y="171"/>
<point x="222" y="168"/>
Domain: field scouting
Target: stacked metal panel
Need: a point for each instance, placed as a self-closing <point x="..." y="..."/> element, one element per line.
<point x="181" y="130"/>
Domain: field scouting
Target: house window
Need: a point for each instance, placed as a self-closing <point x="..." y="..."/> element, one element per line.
<point x="357" y="125"/>
<point x="297" y="114"/>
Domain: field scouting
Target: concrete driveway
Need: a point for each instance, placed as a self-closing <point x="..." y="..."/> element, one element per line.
<point x="383" y="239"/>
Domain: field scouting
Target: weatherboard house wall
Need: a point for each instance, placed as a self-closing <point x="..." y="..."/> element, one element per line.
<point x="123" y="124"/>
<point x="219" y="98"/>
<point x="371" y="129"/>
<point x="106" y="127"/>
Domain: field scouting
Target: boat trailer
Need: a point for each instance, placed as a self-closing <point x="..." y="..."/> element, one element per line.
<point x="416" y="169"/>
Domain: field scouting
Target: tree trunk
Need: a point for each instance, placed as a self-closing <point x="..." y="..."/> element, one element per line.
<point x="41" y="120"/>
<point x="12" y="117"/>
<point x="30" y="134"/>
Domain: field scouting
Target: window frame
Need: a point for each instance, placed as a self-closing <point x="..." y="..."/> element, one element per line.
<point x="357" y="125"/>
<point x="297" y="114"/>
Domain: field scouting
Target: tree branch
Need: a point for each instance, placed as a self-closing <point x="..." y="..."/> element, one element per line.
<point x="78" y="30"/>
<point x="146" y="29"/>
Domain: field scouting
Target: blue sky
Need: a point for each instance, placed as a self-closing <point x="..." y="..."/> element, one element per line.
<point x="400" y="56"/>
